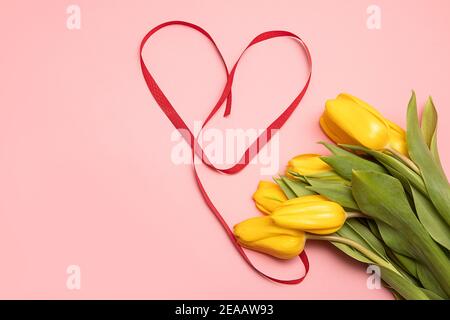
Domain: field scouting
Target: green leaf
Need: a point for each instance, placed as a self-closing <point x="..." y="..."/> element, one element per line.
<point x="395" y="240"/>
<point x="406" y="266"/>
<point x="354" y="231"/>
<point x="297" y="187"/>
<point x="340" y="181"/>
<point x="287" y="191"/>
<point x="428" y="281"/>
<point x="337" y="150"/>
<point x="349" y="233"/>
<point x="352" y="252"/>
<point x="402" y="169"/>
<point x="432" y="295"/>
<point x="430" y="219"/>
<point x="344" y="165"/>
<point x="435" y="181"/>
<point x="435" y="152"/>
<point x="391" y="162"/>
<point x="365" y="233"/>
<point x="403" y="286"/>
<point x="328" y="176"/>
<point x="429" y="130"/>
<point x="374" y="228"/>
<point x="429" y="121"/>
<point x="382" y="197"/>
<point x="405" y="263"/>
<point x="401" y="178"/>
<point x="336" y="192"/>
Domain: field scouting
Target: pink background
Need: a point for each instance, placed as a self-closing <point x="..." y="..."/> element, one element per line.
<point x="86" y="176"/>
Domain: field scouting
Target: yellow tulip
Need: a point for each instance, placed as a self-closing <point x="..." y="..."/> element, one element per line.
<point x="307" y="164"/>
<point x="268" y="196"/>
<point x="262" y="235"/>
<point x="312" y="214"/>
<point x="350" y="120"/>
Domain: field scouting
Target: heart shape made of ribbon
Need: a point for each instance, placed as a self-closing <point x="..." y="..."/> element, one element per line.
<point x="226" y="95"/>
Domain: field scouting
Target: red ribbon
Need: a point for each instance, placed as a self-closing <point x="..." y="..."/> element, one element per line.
<point x="252" y="150"/>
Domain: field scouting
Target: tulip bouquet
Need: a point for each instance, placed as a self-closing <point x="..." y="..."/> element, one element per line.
<point x="381" y="197"/>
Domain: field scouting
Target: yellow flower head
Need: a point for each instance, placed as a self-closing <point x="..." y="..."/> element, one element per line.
<point x="349" y="120"/>
<point x="262" y="235"/>
<point x="307" y="165"/>
<point x="312" y="214"/>
<point x="268" y="196"/>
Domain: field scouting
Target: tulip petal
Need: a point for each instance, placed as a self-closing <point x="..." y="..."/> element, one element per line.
<point x="310" y="214"/>
<point x="333" y="132"/>
<point x="261" y="234"/>
<point x="282" y="247"/>
<point x="312" y="198"/>
<point x="351" y="123"/>
<point x="258" y="228"/>
<point x="307" y="164"/>
<point x="268" y="196"/>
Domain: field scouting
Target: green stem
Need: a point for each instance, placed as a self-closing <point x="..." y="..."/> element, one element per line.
<point x="405" y="159"/>
<point x="369" y="254"/>
<point x="355" y="214"/>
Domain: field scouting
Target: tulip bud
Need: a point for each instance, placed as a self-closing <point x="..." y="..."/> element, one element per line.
<point x="268" y="196"/>
<point x="349" y="120"/>
<point x="261" y="234"/>
<point x="307" y="164"/>
<point x="313" y="214"/>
